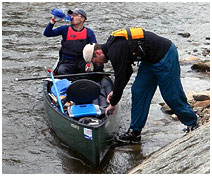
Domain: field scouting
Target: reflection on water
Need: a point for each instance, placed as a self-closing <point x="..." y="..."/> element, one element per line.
<point x="29" y="146"/>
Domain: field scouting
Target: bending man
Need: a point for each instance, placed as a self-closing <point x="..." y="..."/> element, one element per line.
<point x="159" y="67"/>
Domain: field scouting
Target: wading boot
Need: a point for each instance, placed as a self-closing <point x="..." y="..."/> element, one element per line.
<point x="191" y="127"/>
<point x="130" y="136"/>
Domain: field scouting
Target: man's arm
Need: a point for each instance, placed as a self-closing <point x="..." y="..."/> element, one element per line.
<point x="91" y="36"/>
<point x="119" y="55"/>
<point x="50" y="32"/>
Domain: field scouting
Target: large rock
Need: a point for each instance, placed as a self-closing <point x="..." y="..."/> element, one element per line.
<point x="206" y="52"/>
<point x="165" y="108"/>
<point x="203" y="104"/>
<point x="201" y="96"/>
<point x="190" y="95"/>
<point x="201" y="66"/>
<point x="190" y="59"/>
<point x="184" y="34"/>
<point x="187" y="155"/>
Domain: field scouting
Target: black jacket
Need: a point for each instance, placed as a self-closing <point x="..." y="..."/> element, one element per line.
<point x="118" y="53"/>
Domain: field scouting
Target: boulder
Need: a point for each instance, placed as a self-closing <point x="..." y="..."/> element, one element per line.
<point x="190" y="59"/>
<point x="174" y="117"/>
<point x="190" y="94"/>
<point x="165" y="108"/>
<point x="195" y="43"/>
<point x="202" y="96"/>
<point x="185" y="34"/>
<point x="201" y="66"/>
<point x="206" y="52"/>
<point x="205" y="116"/>
<point x="203" y="104"/>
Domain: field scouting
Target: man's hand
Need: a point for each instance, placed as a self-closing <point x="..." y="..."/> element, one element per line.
<point x="89" y="67"/>
<point x="109" y="110"/>
<point x="109" y="96"/>
<point x="55" y="19"/>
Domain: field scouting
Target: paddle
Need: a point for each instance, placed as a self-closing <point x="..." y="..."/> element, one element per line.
<point x="63" y="76"/>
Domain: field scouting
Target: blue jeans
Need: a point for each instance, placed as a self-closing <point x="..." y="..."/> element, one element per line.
<point x="166" y="75"/>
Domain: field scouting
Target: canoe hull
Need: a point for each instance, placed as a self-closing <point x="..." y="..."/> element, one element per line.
<point x="92" y="142"/>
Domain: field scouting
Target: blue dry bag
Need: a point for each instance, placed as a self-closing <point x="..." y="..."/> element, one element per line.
<point x="62" y="86"/>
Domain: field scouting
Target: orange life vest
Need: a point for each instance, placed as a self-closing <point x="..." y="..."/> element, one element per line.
<point x="75" y="42"/>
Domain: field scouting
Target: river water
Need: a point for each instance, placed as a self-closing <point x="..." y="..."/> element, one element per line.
<point x="29" y="146"/>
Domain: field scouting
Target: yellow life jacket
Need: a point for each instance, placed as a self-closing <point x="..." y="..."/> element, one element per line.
<point x="135" y="38"/>
<point x="135" y="32"/>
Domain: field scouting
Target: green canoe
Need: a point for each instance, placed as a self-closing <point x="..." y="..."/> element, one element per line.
<point x="92" y="141"/>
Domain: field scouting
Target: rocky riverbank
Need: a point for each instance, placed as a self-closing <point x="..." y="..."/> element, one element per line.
<point x="187" y="155"/>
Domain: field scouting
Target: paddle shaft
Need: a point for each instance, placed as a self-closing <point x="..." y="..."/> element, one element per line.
<point x="57" y="93"/>
<point x="63" y="76"/>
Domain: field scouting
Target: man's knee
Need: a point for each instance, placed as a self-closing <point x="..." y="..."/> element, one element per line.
<point x="64" y="69"/>
<point x="61" y="71"/>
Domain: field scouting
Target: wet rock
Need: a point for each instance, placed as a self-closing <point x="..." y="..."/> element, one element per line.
<point x="201" y="66"/>
<point x="195" y="43"/>
<point x="204" y="115"/>
<point x="190" y="59"/>
<point x="198" y="110"/>
<point x="203" y="104"/>
<point x="190" y="95"/>
<point x="201" y="96"/>
<point x="187" y="155"/>
<point x="185" y="34"/>
<point x="200" y="102"/>
<point x="174" y="116"/>
<point x="166" y="109"/>
<point x="206" y="52"/>
<point x="207" y="43"/>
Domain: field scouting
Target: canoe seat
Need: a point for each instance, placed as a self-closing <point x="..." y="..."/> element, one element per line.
<point x="83" y="91"/>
